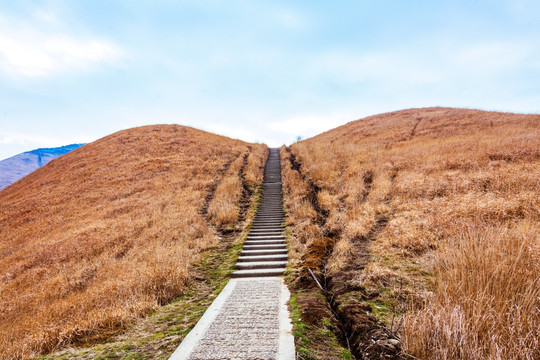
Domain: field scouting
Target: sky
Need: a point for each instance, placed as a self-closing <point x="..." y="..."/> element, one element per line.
<point x="262" y="71"/>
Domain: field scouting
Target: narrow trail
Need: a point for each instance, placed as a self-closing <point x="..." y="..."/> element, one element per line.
<point x="250" y="320"/>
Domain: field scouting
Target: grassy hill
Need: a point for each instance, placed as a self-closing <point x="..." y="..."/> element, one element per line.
<point x="109" y="231"/>
<point x="432" y="214"/>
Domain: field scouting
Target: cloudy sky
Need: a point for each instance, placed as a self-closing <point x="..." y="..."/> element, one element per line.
<point x="268" y="71"/>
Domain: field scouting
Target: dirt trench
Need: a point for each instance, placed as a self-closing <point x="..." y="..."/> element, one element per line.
<point x="345" y="298"/>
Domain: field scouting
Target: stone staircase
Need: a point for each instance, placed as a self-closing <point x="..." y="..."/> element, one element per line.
<point x="249" y="320"/>
<point x="265" y="252"/>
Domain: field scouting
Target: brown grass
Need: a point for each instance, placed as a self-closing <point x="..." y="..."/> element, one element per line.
<point x="108" y="232"/>
<point x="439" y="191"/>
<point x="487" y="271"/>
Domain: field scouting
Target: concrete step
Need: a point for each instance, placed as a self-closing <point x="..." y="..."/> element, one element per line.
<point x="270" y="229"/>
<point x="264" y="242"/>
<point x="274" y="229"/>
<point x="265" y="237"/>
<point x="266" y="227"/>
<point x="266" y="233"/>
<point x="263" y="230"/>
<point x="256" y="258"/>
<point x="258" y="272"/>
<point x="261" y="265"/>
<point x="275" y="222"/>
<point x="265" y="247"/>
<point x="246" y="252"/>
<point x="259" y="230"/>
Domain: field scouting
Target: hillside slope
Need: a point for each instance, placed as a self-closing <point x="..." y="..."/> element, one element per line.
<point x="108" y="232"/>
<point x="20" y="165"/>
<point x="432" y="213"/>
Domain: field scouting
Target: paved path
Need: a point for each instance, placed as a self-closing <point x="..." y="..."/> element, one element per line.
<point x="249" y="320"/>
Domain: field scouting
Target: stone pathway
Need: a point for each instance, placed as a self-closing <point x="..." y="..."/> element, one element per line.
<point x="249" y="320"/>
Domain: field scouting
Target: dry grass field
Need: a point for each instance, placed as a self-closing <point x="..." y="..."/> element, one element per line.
<point x="422" y="224"/>
<point x="107" y="233"/>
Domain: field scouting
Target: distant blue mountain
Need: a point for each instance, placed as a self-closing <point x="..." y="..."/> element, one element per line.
<point x="18" y="166"/>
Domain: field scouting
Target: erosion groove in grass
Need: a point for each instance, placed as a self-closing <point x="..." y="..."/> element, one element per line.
<point x="354" y="329"/>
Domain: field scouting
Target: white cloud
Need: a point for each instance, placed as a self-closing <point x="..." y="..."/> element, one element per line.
<point x="427" y="65"/>
<point x="232" y="131"/>
<point x="292" y="19"/>
<point x="41" y="140"/>
<point x="492" y="57"/>
<point x="35" y="50"/>
<point x="13" y="143"/>
<point x="310" y="124"/>
<point x="525" y="10"/>
<point x="394" y="66"/>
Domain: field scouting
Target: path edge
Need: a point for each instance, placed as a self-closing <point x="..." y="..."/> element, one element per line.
<point x="286" y="348"/>
<point x="189" y="343"/>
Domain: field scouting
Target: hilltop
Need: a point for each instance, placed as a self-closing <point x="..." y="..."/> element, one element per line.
<point x="20" y="165"/>
<point x="108" y="232"/>
<point x="422" y="225"/>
